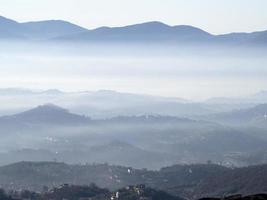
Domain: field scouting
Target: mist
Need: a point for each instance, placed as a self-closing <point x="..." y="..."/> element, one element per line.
<point x="194" y="73"/>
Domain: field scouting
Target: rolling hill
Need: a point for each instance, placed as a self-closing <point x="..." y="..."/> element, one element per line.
<point x="122" y="140"/>
<point x="45" y="114"/>
<point x="51" y="28"/>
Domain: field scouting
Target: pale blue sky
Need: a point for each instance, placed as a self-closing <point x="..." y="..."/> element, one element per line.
<point x="215" y="16"/>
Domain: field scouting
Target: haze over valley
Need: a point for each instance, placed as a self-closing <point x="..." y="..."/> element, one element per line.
<point x="179" y="61"/>
<point x="151" y="110"/>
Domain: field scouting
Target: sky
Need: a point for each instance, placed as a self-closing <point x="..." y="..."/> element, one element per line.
<point x="214" y="16"/>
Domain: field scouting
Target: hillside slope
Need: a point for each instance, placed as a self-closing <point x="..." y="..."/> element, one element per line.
<point x="189" y="181"/>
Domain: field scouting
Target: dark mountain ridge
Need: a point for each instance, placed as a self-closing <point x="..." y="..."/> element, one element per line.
<point x="188" y="181"/>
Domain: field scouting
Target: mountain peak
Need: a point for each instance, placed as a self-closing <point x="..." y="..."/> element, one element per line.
<point x="52" y="28"/>
<point x="148" y="26"/>
<point x="154" y="23"/>
<point x="52" y="92"/>
<point x="6" y="19"/>
<point x="48" y="114"/>
<point x="50" y="107"/>
<point x="188" y="28"/>
<point x="153" y="31"/>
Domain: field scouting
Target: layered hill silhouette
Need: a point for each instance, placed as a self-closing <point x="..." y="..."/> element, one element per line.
<point x="74" y="138"/>
<point x="50" y="113"/>
<point x="187" y="181"/>
<point x="155" y="32"/>
<point x="93" y="192"/>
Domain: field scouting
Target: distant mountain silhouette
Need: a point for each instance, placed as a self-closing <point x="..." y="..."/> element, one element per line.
<point x="21" y="91"/>
<point x="149" y="32"/>
<point x="105" y="104"/>
<point x="10" y="29"/>
<point x="259" y="38"/>
<point x="46" y="114"/>
<point x="256" y="116"/>
<point x="247" y="101"/>
<point x="146" y="32"/>
<point x="50" y="115"/>
<point x="151" y="119"/>
<point x="51" y="29"/>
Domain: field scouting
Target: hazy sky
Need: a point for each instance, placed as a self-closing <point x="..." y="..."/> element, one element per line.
<point x="215" y="16"/>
